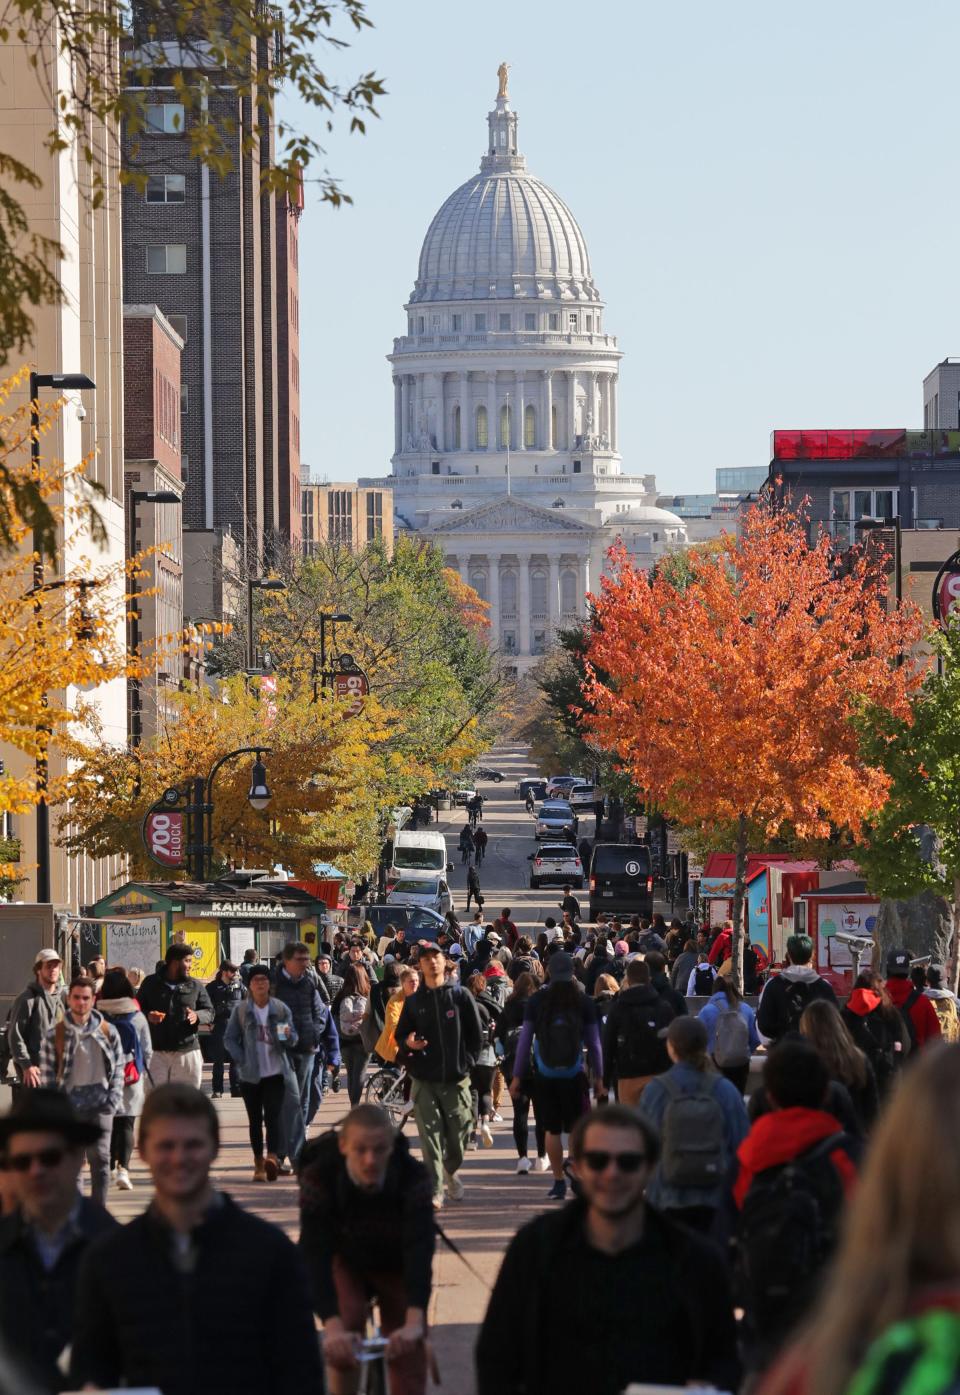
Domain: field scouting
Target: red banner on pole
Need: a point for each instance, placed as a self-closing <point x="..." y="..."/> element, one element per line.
<point x="353" y="686"/>
<point x="163" y="837"/>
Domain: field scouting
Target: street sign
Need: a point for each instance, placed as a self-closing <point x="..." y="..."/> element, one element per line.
<point x="164" y="838"/>
<point x="946" y="591"/>
<point x="353" y="686"/>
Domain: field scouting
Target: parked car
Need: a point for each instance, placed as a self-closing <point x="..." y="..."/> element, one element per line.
<point x="419" y="921"/>
<point x="559" y="786"/>
<point x="556" y="821"/>
<point x="432" y="892"/>
<point x="555" y="862"/>
<point x="463" y="795"/>
<point x="621" y="879"/>
<point x="583" y="797"/>
<point x="536" y="784"/>
<point x="484" y="772"/>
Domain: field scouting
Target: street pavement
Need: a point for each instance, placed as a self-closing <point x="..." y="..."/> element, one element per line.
<point x="497" y="1201"/>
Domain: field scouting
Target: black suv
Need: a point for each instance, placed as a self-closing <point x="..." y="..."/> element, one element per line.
<point x="621" y="879"/>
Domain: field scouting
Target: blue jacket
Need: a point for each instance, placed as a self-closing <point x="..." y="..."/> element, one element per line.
<point x="312" y="1019"/>
<point x="240" y="1039"/>
<point x="709" y="1013"/>
<point x="653" y="1106"/>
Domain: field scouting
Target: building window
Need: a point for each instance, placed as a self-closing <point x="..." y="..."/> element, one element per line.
<point x="529" y="322"/>
<point x="178" y="323"/>
<point x="508" y="593"/>
<point x="568" y="592"/>
<point x="574" y="324"/>
<point x="554" y="321"/>
<point x="538" y="591"/>
<point x="529" y="426"/>
<point x="456" y="428"/>
<point x="481" y="433"/>
<point x="505" y="425"/>
<point x="456" y="323"/>
<point x="184" y="468"/>
<point x="504" y="322"/>
<point x="553" y="427"/>
<point x="480" y="324"/>
<point x="170" y="260"/>
<point x="847" y="505"/>
<point x="479" y="583"/>
<point x="374" y="515"/>
<point x="509" y="642"/>
<point x="340" y="516"/>
<point x="539" y="645"/>
<point x="165" y="119"/>
<point x="165" y="188"/>
<point x="184" y="399"/>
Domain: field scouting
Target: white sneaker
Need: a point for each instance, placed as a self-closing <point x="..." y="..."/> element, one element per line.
<point x="123" y="1180"/>
<point x="496" y="1118"/>
<point x="454" y="1186"/>
<point x="486" y="1137"/>
<point x="541" y="1165"/>
<point x="523" y="1166"/>
<point x="438" y="1203"/>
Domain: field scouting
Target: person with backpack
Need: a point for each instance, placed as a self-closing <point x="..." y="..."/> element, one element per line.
<point x="656" y="962"/>
<point x="484" y="1068"/>
<point x="877" y="1028"/>
<point x="82" y="1055"/>
<point x="259" y="1037"/>
<point x="701" y="1120"/>
<point x="793" y="1173"/>
<point x="559" y="1024"/>
<point x="224" y="992"/>
<point x="39" y="1006"/>
<point x="633" y="1049"/>
<point x="722" y="947"/>
<point x="788" y="992"/>
<point x="350" y="1009"/>
<point x="701" y="978"/>
<point x="507" y="1039"/>
<point x="822" y="1025"/>
<point x="473" y="888"/>
<point x="466" y="845"/>
<point x="915" y="1008"/>
<point x="732" y="1034"/>
<point x="121" y="1008"/>
<point x="440" y="1028"/>
<point x="944" y="1003"/>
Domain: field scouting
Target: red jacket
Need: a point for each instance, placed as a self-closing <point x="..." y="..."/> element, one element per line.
<point x="784" y="1134"/>
<point x="722" y="948"/>
<point x="923" y="1015"/>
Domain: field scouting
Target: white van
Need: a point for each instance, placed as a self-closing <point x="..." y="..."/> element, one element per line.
<point x="417" y="855"/>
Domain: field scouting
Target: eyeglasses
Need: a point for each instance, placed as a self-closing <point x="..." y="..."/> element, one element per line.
<point x="624" y="1162"/>
<point x="46" y="1157"/>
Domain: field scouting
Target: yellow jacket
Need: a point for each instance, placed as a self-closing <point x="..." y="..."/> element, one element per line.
<point x="386" y="1046"/>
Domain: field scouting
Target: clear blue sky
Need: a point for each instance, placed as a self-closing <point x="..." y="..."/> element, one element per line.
<point x="768" y="194"/>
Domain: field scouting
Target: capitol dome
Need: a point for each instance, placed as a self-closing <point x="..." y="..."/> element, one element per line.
<point x="504" y="234"/>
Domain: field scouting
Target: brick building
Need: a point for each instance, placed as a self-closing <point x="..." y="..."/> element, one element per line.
<point x="151" y="446"/>
<point x="219" y="258"/>
<point x="349" y="513"/>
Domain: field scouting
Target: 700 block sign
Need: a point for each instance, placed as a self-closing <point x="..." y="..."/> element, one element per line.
<point x="164" y="837"/>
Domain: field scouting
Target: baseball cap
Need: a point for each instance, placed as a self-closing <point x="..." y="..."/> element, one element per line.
<point x="494" y="939"/>
<point x="229" y="965"/>
<point x="46" y="956"/>
<point x="898" y="963"/>
<point x="560" y="967"/>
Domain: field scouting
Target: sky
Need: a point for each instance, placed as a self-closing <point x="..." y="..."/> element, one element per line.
<point x="768" y="194"/>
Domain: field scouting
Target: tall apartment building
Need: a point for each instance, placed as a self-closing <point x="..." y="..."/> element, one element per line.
<point x="941" y="396"/>
<point x="81" y="334"/>
<point x="351" y="514"/>
<point x="151" y="436"/>
<point x="219" y="258"/>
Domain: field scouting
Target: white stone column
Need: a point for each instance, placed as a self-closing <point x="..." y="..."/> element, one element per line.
<point x="521" y="409"/>
<point x="463" y="567"/>
<point x="417" y="408"/>
<point x="398" y="415"/>
<point x="443" y="430"/>
<point x="546" y="426"/>
<point x="466" y="426"/>
<point x="493" y="596"/>
<point x="523" y="604"/>
<point x="613" y="411"/>
<point x="584" y="570"/>
<point x="571" y="409"/>
<point x="404" y="410"/>
<point x="493" y="424"/>
<point x="553" y="598"/>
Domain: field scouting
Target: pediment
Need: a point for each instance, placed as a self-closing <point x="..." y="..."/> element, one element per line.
<point x="510" y="515"/>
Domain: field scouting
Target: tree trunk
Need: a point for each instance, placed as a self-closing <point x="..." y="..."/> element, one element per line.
<point x="921" y="924"/>
<point x="953" y="977"/>
<point x="738" y="890"/>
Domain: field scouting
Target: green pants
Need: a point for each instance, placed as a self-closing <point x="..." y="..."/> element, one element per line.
<point x="444" y="1115"/>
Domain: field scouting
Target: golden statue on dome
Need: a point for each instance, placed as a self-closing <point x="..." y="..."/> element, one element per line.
<point x="502" y="73"/>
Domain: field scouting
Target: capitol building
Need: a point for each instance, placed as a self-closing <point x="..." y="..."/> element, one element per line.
<point x="505" y="405"/>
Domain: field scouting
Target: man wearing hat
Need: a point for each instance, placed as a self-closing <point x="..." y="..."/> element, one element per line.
<point x="42" y="1243"/>
<point x="916" y="1009"/>
<point x="38" y="1007"/>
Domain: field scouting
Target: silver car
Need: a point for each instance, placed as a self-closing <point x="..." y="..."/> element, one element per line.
<point x="555" y="862"/>
<point x="556" y="821"/>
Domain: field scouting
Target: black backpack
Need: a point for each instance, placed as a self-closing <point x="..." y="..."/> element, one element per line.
<point x="786" y="1233"/>
<point x="703" y="977"/>
<point x="639" y="1050"/>
<point x="905" y="1011"/>
<point x="883" y="1047"/>
<point x="796" y="997"/>
<point x="558" y="1048"/>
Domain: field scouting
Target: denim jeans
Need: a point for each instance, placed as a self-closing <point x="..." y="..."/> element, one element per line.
<point x="295" y="1111"/>
<point x="219" y="1058"/>
<point x="355" y="1058"/>
<point x="98" y="1156"/>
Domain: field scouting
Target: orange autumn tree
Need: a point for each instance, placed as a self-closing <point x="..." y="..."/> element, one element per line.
<point x="727" y="697"/>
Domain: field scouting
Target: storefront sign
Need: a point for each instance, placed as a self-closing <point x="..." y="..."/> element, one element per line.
<point x="255" y="910"/>
<point x="131" y="944"/>
<point x="353" y="686"/>
<point x="163" y="837"/>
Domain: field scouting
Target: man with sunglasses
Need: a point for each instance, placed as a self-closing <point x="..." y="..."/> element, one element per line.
<point x="652" y="1300"/>
<point x="42" y="1243"/>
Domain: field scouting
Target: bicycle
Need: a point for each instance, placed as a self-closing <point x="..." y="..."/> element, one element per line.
<point x="372" y="1357"/>
<point x="386" y="1089"/>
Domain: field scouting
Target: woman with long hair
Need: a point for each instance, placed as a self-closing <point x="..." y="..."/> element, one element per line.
<point x="605" y="990"/>
<point x="508" y="1035"/>
<point x="349" y="1009"/>
<point x="121" y="1009"/>
<point x="878" y="1027"/>
<point x="823" y="1027"/>
<point x="485" y="1067"/>
<point x="889" y="1317"/>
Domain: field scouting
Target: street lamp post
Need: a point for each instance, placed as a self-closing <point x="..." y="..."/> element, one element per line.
<point x="64" y="382"/>
<point x="263" y="583"/>
<point x="331" y="618"/>
<point x="875" y="525"/>
<point x="201" y="808"/>
<point x="139" y="496"/>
